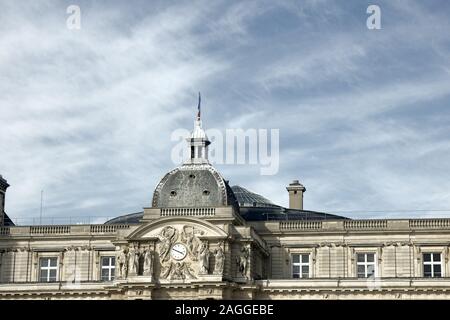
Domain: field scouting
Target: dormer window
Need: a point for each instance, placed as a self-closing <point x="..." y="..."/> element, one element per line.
<point x="191" y="176"/>
<point x="173" y="193"/>
<point x="206" y="193"/>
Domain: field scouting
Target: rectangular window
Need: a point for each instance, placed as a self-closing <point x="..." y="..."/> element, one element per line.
<point x="108" y="268"/>
<point x="365" y="264"/>
<point x="432" y="265"/>
<point x="48" y="269"/>
<point x="300" y="265"/>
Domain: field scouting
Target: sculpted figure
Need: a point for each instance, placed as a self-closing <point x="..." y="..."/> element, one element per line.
<point x="203" y="258"/>
<point x="178" y="271"/>
<point x="148" y="262"/>
<point x="137" y="255"/>
<point x="181" y="271"/>
<point x="192" y="242"/>
<point x="188" y="272"/>
<point x="219" y="258"/>
<point x="167" y="237"/>
<point x="122" y="263"/>
<point x="133" y="260"/>
<point x="243" y="261"/>
<point x="165" y="270"/>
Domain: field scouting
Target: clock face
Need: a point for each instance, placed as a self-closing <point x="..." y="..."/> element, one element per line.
<point x="178" y="251"/>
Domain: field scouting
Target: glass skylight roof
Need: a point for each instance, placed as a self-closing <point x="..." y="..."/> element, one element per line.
<point x="249" y="199"/>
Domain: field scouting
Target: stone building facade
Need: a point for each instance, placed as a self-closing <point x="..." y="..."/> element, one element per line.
<point x="203" y="239"/>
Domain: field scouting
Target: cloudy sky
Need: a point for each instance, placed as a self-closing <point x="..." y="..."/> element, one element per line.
<point x="87" y="115"/>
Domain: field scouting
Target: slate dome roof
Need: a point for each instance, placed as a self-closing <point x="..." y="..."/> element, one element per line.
<point x="193" y="185"/>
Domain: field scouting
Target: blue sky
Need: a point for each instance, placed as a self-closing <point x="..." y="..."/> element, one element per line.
<point x="364" y="115"/>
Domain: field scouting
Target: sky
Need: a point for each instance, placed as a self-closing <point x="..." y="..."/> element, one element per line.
<point x="86" y="115"/>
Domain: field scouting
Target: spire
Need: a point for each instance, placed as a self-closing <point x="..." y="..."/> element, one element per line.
<point x="198" y="141"/>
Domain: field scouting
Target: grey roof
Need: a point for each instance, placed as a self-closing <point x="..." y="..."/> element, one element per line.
<point x="280" y="213"/>
<point x="252" y="207"/>
<point x="193" y="185"/>
<point x="7" y="221"/>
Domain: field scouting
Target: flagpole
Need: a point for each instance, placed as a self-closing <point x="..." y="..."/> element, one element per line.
<point x="199" y="105"/>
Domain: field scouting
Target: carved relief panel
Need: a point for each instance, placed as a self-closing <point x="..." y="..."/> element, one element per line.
<point x="182" y="253"/>
<point x="184" y="248"/>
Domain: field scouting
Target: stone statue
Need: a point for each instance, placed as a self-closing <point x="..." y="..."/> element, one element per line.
<point x="167" y="237"/>
<point x="203" y="258"/>
<point x="122" y="263"/>
<point x="148" y="262"/>
<point x="219" y="258"/>
<point x="133" y="260"/>
<point x="165" y="270"/>
<point x="140" y="270"/>
<point x="192" y="242"/>
<point x="188" y="272"/>
<point x="137" y="255"/>
<point x="181" y="271"/>
<point x="178" y="271"/>
<point x="243" y="261"/>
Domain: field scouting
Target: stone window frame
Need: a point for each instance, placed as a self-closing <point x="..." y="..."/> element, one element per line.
<point x="366" y="264"/>
<point x="433" y="249"/>
<point x="109" y="267"/>
<point x="39" y="269"/>
<point x="367" y="250"/>
<point x="301" y="251"/>
<point x="97" y="262"/>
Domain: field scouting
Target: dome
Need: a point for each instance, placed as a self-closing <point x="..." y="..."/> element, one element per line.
<point x="251" y="206"/>
<point x="250" y="199"/>
<point x="193" y="186"/>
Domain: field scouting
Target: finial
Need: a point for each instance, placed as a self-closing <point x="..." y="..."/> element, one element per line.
<point x="199" y="103"/>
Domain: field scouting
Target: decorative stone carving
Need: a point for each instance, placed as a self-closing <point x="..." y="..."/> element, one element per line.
<point x="122" y="263"/>
<point x="165" y="270"/>
<point x="203" y="258"/>
<point x="167" y="238"/>
<point x="148" y="262"/>
<point x="133" y="260"/>
<point x="188" y="237"/>
<point x="181" y="271"/>
<point x="219" y="258"/>
<point x="172" y="264"/>
<point x="242" y="261"/>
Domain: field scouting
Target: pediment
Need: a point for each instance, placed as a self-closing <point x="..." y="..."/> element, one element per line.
<point x="199" y="227"/>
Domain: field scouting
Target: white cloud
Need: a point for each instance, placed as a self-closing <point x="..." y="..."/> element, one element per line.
<point x="87" y="115"/>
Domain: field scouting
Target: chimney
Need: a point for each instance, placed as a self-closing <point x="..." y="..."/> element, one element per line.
<point x="3" y="186"/>
<point x="296" y="190"/>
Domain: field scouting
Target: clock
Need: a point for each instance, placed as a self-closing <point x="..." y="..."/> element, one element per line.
<point x="178" y="251"/>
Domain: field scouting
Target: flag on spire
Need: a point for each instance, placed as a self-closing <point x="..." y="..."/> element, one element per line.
<point x="199" y="102"/>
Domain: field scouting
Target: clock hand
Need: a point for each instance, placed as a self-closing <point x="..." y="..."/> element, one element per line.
<point x="178" y="251"/>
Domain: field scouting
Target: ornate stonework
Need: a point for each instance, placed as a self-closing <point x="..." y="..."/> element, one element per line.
<point x="182" y="254"/>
